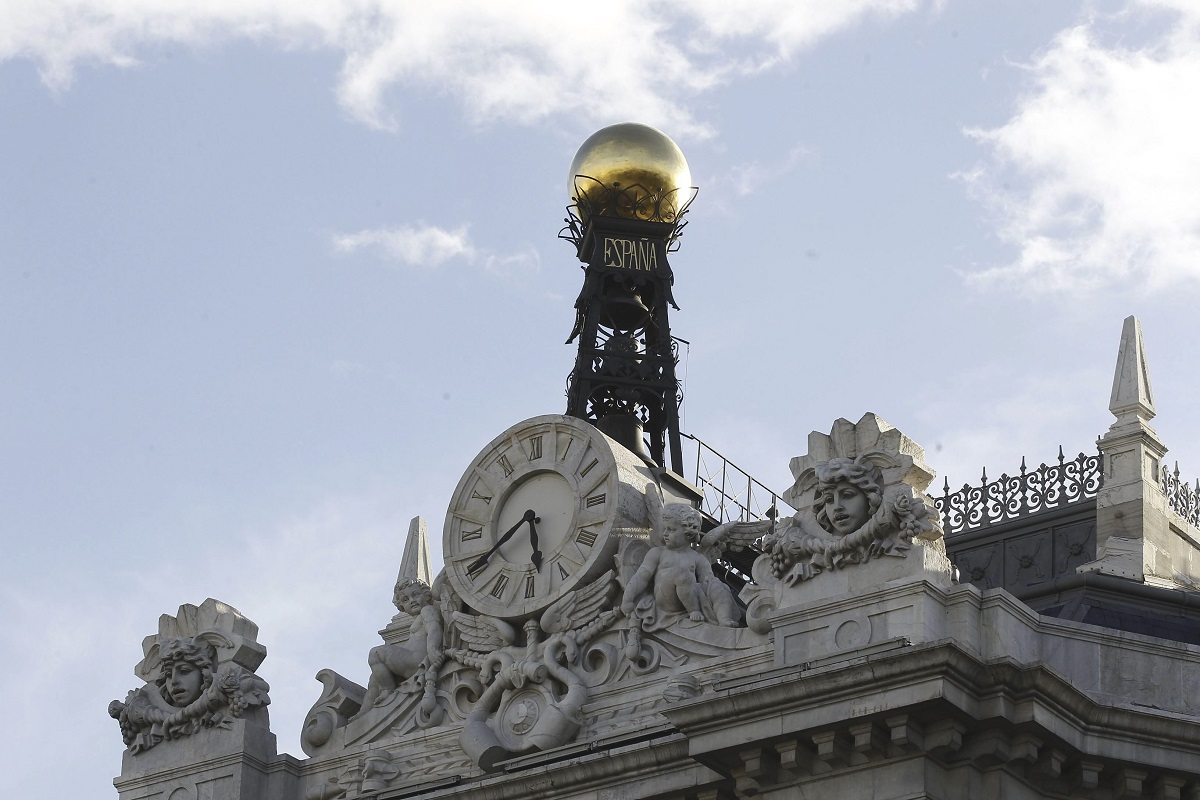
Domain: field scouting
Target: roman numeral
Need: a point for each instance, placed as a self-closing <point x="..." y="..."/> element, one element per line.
<point x="586" y="537"/>
<point x="475" y="495"/>
<point x="529" y="592"/>
<point x="469" y="535"/>
<point x="505" y="465"/>
<point x="535" y="448"/>
<point x="562" y="571"/>
<point x="591" y="465"/>
<point x="595" y="500"/>
<point x="499" y="586"/>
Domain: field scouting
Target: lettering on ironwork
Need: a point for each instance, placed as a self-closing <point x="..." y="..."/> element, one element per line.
<point x="631" y="254"/>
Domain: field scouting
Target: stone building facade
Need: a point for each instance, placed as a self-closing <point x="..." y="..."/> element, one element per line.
<point x="596" y="634"/>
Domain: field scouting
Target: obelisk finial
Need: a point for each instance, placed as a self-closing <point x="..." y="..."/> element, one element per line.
<point x="415" y="563"/>
<point x="1131" y="399"/>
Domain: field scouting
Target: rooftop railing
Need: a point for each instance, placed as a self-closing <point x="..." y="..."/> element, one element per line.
<point x="1011" y="497"/>
<point x="1183" y="498"/>
<point x="730" y="493"/>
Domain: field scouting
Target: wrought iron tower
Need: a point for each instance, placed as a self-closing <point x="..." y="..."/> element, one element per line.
<point x="630" y="188"/>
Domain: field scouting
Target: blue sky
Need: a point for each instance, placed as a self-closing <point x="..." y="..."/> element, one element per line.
<point x="271" y="273"/>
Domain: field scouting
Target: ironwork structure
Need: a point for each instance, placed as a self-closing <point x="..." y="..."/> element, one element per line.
<point x="1183" y="498"/>
<point x="1011" y="497"/>
<point x="730" y="493"/>
<point x="1026" y="533"/>
<point x="624" y="374"/>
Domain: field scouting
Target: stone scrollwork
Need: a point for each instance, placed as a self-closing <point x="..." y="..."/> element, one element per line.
<point x="341" y="700"/>
<point x="199" y="673"/>
<point x="534" y="692"/>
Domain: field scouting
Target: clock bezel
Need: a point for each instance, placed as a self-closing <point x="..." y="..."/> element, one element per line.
<point x="622" y="473"/>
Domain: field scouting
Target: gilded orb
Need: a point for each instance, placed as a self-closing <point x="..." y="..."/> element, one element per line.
<point x="630" y="170"/>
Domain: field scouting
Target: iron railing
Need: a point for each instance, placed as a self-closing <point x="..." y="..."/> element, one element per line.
<point x="730" y="493"/>
<point x="1183" y="498"/>
<point x="1010" y="497"/>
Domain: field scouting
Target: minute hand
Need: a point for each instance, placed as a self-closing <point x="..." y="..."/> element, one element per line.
<point x="481" y="562"/>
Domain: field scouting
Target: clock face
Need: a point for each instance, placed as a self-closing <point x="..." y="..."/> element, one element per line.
<point x="533" y="516"/>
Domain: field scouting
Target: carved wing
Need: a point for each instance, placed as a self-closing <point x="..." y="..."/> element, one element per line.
<point x="580" y="606"/>
<point x="732" y="536"/>
<point x="630" y="555"/>
<point x="447" y="601"/>
<point x="654" y="510"/>
<point x="483" y="634"/>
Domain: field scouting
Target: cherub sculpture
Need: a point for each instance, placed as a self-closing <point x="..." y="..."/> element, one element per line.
<point x="192" y="691"/>
<point x="673" y="577"/>
<point x="422" y="655"/>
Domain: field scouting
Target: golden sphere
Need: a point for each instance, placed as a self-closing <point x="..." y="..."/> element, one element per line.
<point x="630" y="170"/>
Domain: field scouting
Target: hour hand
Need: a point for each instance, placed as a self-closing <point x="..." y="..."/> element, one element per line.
<point x="481" y="562"/>
<point x="536" y="555"/>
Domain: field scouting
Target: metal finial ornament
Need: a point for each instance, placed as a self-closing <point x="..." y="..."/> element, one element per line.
<point x="629" y="188"/>
<point x="636" y="163"/>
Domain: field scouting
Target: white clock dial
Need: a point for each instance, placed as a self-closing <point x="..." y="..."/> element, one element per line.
<point x="555" y="482"/>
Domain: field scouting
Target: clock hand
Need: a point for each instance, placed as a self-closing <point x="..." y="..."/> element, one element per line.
<point x="536" y="556"/>
<point x="481" y="562"/>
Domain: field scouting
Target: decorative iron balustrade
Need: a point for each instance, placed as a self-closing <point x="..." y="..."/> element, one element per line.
<point x="730" y="493"/>
<point x="1010" y="497"/>
<point x="1183" y="499"/>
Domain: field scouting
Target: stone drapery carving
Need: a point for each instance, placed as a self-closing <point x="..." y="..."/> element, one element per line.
<point x="199" y="673"/>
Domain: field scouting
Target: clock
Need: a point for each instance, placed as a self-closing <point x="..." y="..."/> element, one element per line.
<point x="538" y="513"/>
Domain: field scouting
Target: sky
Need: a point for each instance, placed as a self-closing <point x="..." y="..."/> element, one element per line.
<point x="272" y="272"/>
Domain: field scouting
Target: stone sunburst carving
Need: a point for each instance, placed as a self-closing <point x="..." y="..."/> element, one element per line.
<point x="860" y="491"/>
<point x="199" y="673"/>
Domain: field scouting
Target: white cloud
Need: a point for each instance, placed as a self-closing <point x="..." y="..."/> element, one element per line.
<point x="1093" y="180"/>
<point x="419" y="246"/>
<point x="518" y="61"/>
<point x="521" y="263"/>
<point x="749" y="177"/>
<point x="430" y="246"/>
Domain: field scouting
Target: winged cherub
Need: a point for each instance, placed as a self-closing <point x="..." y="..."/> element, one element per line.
<point x="676" y="576"/>
<point x="393" y="663"/>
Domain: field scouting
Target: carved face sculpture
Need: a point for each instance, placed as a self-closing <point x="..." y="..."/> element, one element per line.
<point x="681" y="524"/>
<point x="412" y="597"/>
<point x="184" y="683"/>
<point x="846" y="507"/>
<point x="187" y="668"/>
<point x="848" y="492"/>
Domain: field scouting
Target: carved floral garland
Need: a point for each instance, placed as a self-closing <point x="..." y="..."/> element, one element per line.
<point x="145" y="720"/>
<point x="804" y="549"/>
